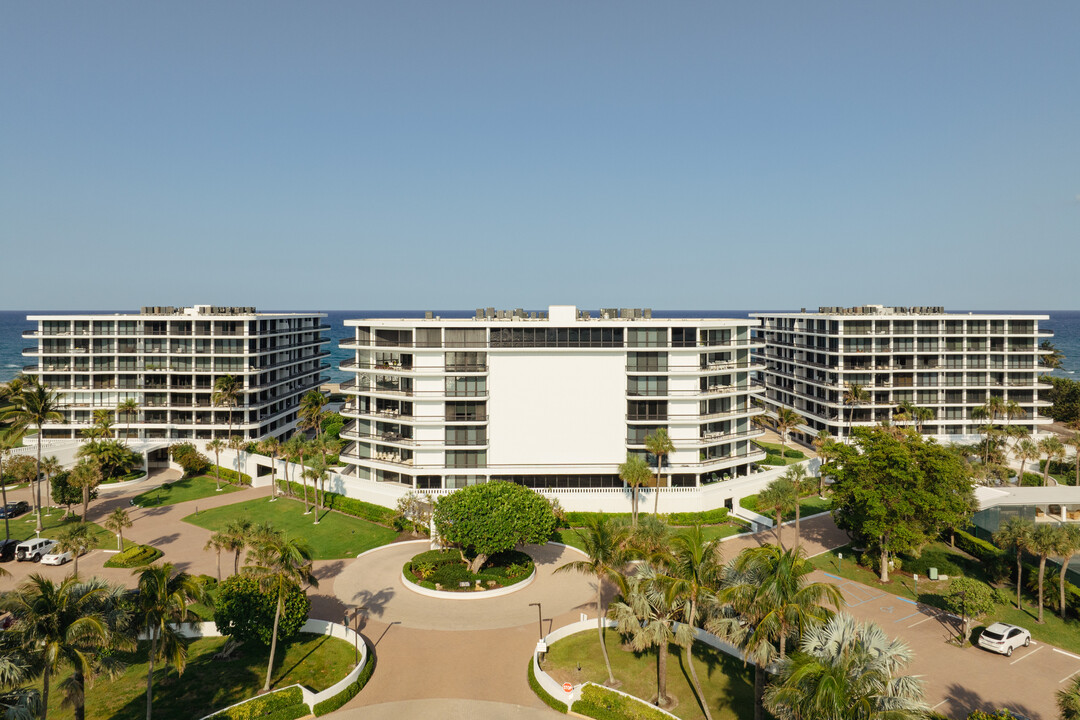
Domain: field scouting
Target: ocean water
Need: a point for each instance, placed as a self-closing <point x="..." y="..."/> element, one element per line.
<point x="1064" y="324"/>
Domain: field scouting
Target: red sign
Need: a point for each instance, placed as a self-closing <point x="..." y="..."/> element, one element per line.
<point x="568" y="687"/>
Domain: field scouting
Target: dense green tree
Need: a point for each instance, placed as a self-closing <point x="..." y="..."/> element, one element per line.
<point x="604" y="543"/>
<point x="635" y="473"/>
<point x="482" y="520"/>
<point x="1064" y="398"/>
<point x="242" y="610"/>
<point x="187" y="457"/>
<point x="895" y="492"/>
<point x="65" y="493"/>
<point x="969" y="599"/>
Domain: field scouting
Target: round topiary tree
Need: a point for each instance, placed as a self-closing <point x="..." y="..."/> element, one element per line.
<point x="245" y="612"/>
<point x="482" y="520"/>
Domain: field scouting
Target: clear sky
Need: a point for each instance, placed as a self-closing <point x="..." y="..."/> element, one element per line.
<point x="411" y="155"/>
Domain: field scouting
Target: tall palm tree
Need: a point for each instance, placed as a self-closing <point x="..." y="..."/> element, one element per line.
<point x="316" y="473"/>
<point x="1054" y="357"/>
<point x="292" y="450"/>
<point x="33" y="405"/>
<point x="604" y="542"/>
<point x="216" y="446"/>
<point x="854" y="395"/>
<point x="1026" y="450"/>
<point x="117" y="521"/>
<point x="75" y="538"/>
<point x="1053" y="449"/>
<point x="271" y="446"/>
<point x="1074" y="440"/>
<point x="1068" y="544"/>
<point x="86" y="475"/>
<point x="218" y="542"/>
<point x="65" y="625"/>
<point x="696" y="566"/>
<point x="779" y="497"/>
<point x="306" y="473"/>
<point x="826" y="450"/>
<point x="796" y="475"/>
<point x="649" y="614"/>
<point x="237" y="444"/>
<point x="635" y="473"/>
<point x="766" y="589"/>
<point x="311" y="411"/>
<point x="1068" y="700"/>
<point x="227" y="393"/>
<point x="846" y="670"/>
<point x="103" y="422"/>
<point x="325" y="446"/>
<point x="50" y="466"/>
<point x="660" y="445"/>
<point x="130" y="409"/>
<point x="162" y="601"/>
<point x="280" y="564"/>
<point x="1044" y="543"/>
<point x="786" y="420"/>
<point x="237" y="536"/>
<point x="1016" y="533"/>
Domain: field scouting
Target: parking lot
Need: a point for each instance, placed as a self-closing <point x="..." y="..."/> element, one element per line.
<point x="957" y="680"/>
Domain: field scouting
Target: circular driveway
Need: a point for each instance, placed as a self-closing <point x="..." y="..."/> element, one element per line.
<point x="373" y="583"/>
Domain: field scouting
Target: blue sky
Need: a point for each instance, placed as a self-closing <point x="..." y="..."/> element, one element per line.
<point x="410" y="155"/>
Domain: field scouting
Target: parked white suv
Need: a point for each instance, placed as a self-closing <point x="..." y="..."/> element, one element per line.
<point x="33" y="550"/>
<point x="1004" y="638"/>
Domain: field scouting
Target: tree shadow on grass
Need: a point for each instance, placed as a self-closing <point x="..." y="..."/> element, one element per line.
<point x="739" y="694"/>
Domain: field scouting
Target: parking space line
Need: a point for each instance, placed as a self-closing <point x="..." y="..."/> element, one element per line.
<point x="1026" y="656"/>
<point x="928" y="617"/>
<point x="906" y="617"/>
<point x="1057" y="650"/>
<point x="941" y="703"/>
<point x="1068" y="676"/>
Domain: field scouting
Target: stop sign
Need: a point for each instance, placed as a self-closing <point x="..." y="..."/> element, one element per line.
<point x="567" y="687"/>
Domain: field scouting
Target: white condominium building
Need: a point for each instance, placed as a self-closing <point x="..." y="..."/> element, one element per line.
<point x="169" y="359"/>
<point x="935" y="367"/>
<point x="552" y="399"/>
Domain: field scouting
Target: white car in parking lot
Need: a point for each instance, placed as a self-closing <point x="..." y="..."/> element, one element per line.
<point x="1004" y="638"/>
<point x="57" y="558"/>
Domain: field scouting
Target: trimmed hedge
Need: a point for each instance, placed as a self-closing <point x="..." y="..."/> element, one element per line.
<point x="229" y="475"/>
<point x="349" y="506"/>
<point x="286" y="704"/>
<point x="771" y="459"/>
<point x="134" y="556"/>
<point x="602" y="704"/>
<point x="706" y="517"/>
<point x="556" y="705"/>
<point x="331" y="704"/>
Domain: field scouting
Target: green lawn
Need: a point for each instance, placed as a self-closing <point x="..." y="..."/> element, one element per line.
<point x="810" y="505"/>
<point x="315" y="661"/>
<point x="1055" y="631"/>
<point x="728" y="685"/>
<point x="183" y="490"/>
<point x="22" y="528"/>
<point x="336" y="535"/>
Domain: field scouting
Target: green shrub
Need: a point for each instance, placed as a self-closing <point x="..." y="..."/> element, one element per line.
<point x="245" y="612"/>
<point x="134" y="556"/>
<point x="450" y="575"/>
<point x="771" y="459"/>
<point x="707" y="517"/>
<point x="603" y="704"/>
<point x="541" y="693"/>
<point x="277" y="705"/>
<point x="191" y="460"/>
<point x="580" y="519"/>
<point x="229" y="475"/>
<point x="1031" y="480"/>
<point x="995" y="561"/>
<point x="332" y="704"/>
<point x="931" y="557"/>
<point x="350" y="506"/>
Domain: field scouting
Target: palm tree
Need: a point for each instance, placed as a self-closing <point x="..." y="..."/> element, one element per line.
<point x="271" y="446"/>
<point x="1068" y="544"/>
<point x="1053" y="449"/>
<point x="1074" y="440"/>
<point x="780" y="498"/>
<point x="635" y="473"/>
<point x="130" y="409"/>
<point x="218" y="542"/>
<point x="227" y="391"/>
<point x="846" y="670"/>
<point x="238" y="444"/>
<point x="825" y="447"/>
<point x="325" y="446"/>
<point x="103" y="422"/>
<point x="766" y="589"/>
<point x="659" y="444"/>
<point x="280" y="564"/>
<point x="161" y="602"/>
<point x="306" y="473"/>
<point x="8" y="441"/>
<point x="116" y="522"/>
<point x="216" y="446"/>
<point x="1068" y="700"/>
<point x="86" y="475"/>
<point x="1016" y="533"/>
<point x="1053" y="357"/>
<point x="33" y="404"/>
<point x="604" y="542"/>
<point x="786" y="419"/>
<point x="292" y="450"/>
<point x="1025" y="450"/>
<point x="1044" y="543"/>
<point x="17" y="701"/>
<point x="695" y="564"/>
<point x="316" y="473"/>
<point x="649" y="613"/>
<point x="311" y="411"/>
<point x="796" y="475"/>
<point x="50" y="466"/>
<point x="237" y="535"/>
<point x="854" y="395"/>
<point x="920" y="415"/>
<point x="75" y="538"/>
<point x="66" y="625"/>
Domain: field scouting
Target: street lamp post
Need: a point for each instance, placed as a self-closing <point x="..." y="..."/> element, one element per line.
<point x="539" y="618"/>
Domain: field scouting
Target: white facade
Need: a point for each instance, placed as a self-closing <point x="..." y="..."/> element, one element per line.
<point x="554" y="399"/>
<point x="946" y="363"/>
<point x="168" y="359"/>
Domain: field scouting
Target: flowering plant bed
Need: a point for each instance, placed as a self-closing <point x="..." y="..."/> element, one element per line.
<point x="445" y="570"/>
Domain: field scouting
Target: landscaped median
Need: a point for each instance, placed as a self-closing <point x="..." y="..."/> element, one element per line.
<point x="134" y="556"/>
<point x="443" y="571"/>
